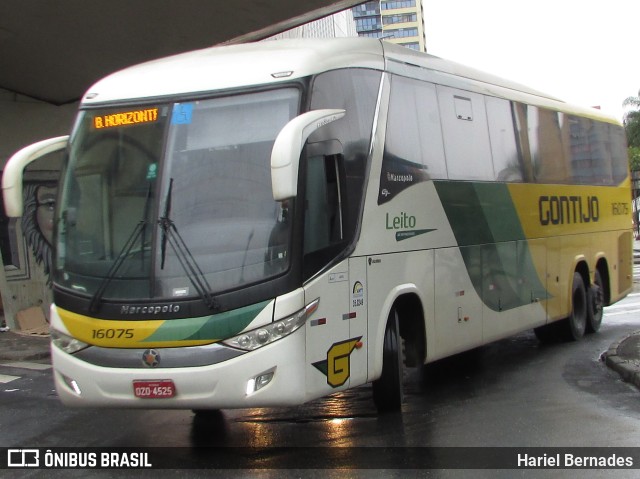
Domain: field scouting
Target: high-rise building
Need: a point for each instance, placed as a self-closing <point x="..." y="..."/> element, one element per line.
<point x="340" y="24"/>
<point x="368" y="20"/>
<point x="397" y="21"/>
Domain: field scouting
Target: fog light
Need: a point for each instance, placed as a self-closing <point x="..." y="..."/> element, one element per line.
<point x="263" y="380"/>
<point x="72" y="384"/>
<point x="260" y="381"/>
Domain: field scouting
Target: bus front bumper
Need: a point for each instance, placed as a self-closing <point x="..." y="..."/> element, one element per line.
<point x="230" y="384"/>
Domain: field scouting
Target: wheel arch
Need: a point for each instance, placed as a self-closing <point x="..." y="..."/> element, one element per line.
<point x="409" y="305"/>
<point x="412" y="328"/>
<point x="582" y="268"/>
<point x="602" y="266"/>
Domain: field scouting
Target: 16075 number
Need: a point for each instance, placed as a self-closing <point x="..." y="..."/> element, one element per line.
<point x="109" y="333"/>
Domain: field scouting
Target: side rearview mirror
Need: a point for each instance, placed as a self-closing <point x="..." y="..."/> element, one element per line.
<point x="285" y="155"/>
<point x="13" y="171"/>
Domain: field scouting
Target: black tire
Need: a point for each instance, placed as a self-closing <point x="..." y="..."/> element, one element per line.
<point x="595" y="298"/>
<point x="547" y="334"/>
<point x="207" y="414"/>
<point x="575" y="325"/>
<point x="387" y="390"/>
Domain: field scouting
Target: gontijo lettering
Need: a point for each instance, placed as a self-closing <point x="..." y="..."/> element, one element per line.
<point x="125" y="118"/>
<point x="560" y="210"/>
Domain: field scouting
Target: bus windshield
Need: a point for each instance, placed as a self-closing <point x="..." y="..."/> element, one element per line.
<point x="157" y="199"/>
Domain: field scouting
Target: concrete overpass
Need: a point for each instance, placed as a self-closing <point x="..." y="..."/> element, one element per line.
<point x="53" y="51"/>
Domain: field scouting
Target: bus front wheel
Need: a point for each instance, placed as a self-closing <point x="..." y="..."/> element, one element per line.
<point x="575" y="325"/>
<point x="387" y="390"/>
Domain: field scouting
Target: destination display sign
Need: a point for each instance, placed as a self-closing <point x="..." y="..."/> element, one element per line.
<point x="135" y="117"/>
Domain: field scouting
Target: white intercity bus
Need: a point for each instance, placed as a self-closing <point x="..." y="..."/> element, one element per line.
<point x="265" y="224"/>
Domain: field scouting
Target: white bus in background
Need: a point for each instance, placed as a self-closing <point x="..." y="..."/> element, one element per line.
<point x="265" y="224"/>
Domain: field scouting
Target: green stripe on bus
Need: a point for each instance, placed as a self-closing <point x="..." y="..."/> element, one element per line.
<point x="215" y="327"/>
<point x="499" y="211"/>
<point x="492" y="242"/>
<point x="479" y="212"/>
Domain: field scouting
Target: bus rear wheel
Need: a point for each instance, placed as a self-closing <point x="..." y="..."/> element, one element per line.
<point x="387" y="390"/>
<point x="575" y="325"/>
<point x="595" y="297"/>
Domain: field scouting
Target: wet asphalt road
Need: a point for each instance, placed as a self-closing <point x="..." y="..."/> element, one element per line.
<point x="515" y="392"/>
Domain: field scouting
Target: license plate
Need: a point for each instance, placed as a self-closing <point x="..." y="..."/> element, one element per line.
<point x="148" y="389"/>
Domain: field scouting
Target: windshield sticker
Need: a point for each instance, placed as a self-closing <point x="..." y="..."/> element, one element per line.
<point x="152" y="171"/>
<point x="125" y="118"/>
<point x="180" y="292"/>
<point x="182" y="114"/>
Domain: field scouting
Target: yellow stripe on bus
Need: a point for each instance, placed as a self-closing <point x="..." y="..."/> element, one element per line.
<point x="556" y="210"/>
<point x="119" y="333"/>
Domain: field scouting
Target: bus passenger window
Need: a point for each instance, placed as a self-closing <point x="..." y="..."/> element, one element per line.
<point x="619" y="158"/>
<point x="548" y="140"/>
<point x="466" y="134"/>
<point x="601" y="154"/>
<point x="413" y="149"/>
<point x="507" y="160"/>
<point x="581" y="154"/>
<point x="323" y="215"/>
<point x="324" y="232"/>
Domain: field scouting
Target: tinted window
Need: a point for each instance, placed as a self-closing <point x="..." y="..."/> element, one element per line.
<point x="466" y="136"/>
<point x="348" y="140"/>
<point x="507" y="163"/>
<point x="413" y="150"/>
<point x="548" y="135"/>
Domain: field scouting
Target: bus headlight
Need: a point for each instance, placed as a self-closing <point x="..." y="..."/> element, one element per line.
<point x="67" y="343"/>
<point x="256" y="338"/>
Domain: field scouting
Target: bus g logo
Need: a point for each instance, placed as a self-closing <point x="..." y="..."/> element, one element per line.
<point x="337" y="366"/>
<point x="151" y="358"/>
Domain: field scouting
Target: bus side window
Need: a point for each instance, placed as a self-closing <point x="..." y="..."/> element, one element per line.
<point x="601" y="158"/>
<point x="323" y="216"/>
<point x="581" y="155"/>
<point x="323" y="224"/>
<point x="414" y="135"/>
<point x="520" y="113"/>
<point x="507" y="159"/>
<point x="620" y="165"/>
<point x="466" y="134"/>
<point x="548" y="140"/>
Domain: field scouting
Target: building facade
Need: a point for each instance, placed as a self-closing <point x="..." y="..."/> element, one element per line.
<point x="340" y="24"/>
<point x="396" y="21"/>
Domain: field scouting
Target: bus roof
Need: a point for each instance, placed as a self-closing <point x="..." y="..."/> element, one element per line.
<point x="272" y="62"/>
<point x="235" y="66"/>
<point x="438" y="70"/>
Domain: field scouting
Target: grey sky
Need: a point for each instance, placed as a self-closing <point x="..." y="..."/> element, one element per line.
<point x="582" y="51"/>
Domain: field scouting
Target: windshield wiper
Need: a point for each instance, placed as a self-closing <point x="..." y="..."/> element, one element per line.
<point x="124" y="252"/>
<point x="138" y="232"/>
<point x="171" y="235"/>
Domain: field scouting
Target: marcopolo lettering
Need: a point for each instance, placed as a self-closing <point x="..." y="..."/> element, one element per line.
<point x="563" y="210"/>
<point x="150" y="309"/>
<point x="398" y="178"/>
